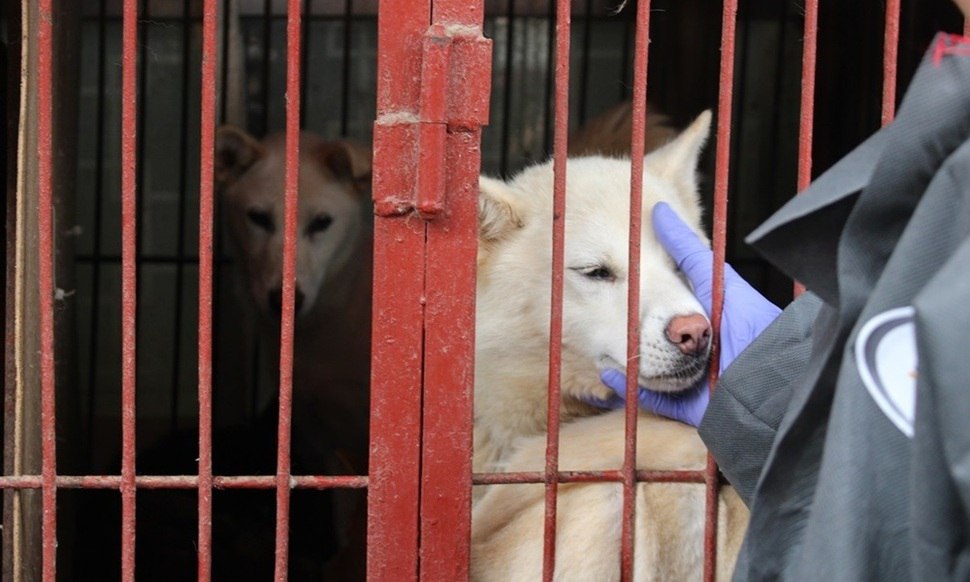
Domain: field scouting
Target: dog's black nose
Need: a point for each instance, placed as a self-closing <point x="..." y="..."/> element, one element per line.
<point x="690" y="333"/>
<point x="276" y="301"/>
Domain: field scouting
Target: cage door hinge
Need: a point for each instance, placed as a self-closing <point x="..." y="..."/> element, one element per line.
<point x="456" y="72"/>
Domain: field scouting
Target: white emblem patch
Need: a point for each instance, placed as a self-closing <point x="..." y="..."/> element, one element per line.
<point x="885" y="353"/>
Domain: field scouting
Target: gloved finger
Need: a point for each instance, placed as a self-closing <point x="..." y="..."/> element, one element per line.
<point x="683" y="245"/>
<point x="615" y="380"/>
<point x="687" y="407"/>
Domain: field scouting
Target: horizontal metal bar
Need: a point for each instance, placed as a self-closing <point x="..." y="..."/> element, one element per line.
<point x="616" y="475"/>
<point x="186" y="482"/>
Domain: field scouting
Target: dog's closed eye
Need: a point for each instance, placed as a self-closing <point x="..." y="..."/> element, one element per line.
<point x="596" y="272"/>
<point x="320" y="223"/>
<point x="261" y="218"/>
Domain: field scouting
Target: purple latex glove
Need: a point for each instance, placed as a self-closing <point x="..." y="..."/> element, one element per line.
<point x="745" y="315"/>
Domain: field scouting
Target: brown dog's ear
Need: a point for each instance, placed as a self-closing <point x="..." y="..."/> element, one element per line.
<point x="347" y="161"/>
<point x="499" y="214"/>
<point x="677" y="161"/>
<point x="236" y="151"/>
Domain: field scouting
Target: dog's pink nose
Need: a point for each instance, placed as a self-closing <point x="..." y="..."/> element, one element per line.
<point x="690" y="333"/>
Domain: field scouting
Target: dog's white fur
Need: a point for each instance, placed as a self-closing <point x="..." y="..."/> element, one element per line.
<point x="514" y="277"/>
<point x="507" y="522"/>
<point x="512" y="370"/>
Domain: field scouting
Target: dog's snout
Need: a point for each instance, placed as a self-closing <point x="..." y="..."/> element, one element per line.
<point x="690" y="333"/>
<point x="276" y="301"/>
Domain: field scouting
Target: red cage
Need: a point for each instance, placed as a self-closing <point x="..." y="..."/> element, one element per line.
<point x="434" y="65"/>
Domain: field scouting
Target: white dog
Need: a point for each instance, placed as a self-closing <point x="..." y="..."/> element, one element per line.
<point x="512" y="369"/>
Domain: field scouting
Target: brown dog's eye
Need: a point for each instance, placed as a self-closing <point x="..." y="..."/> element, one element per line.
<point x="262" y="219"/>
<point x="319" y="224"/>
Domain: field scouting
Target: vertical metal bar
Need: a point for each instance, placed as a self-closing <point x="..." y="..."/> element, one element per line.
<point x="210" y="16"/>
<point x="450" y="290"/>
<point x="807" y="109"/>
<point x="560" y="145"/>
<point x="289" y="284"/>
<point x="397" y="336"/>
<point x="718" y="242"/>
<point x="890" y="51"/>
<point x="45" y="173"/>
<point x="639" y="112"/>
<point x="129" y="289"/>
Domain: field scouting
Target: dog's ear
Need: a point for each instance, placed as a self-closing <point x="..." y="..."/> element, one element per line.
<point x="347" y="161"/>
<point x="236" y="151"/>
<point x="499" y="214"/>
<point x="677" y="161"/>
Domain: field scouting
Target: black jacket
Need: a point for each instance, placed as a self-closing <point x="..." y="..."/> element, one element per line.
<point x="846" y="425"/>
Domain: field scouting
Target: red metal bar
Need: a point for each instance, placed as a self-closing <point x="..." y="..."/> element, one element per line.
<point x="889" y="64"/>
<point x="290" y="207"/>
<point x="129" y="285"/>
<point x="590" y="476"/>
<point x="807" y="109"/>
<point x="640" y="64"/>
<point x="449" y="368"/>
<point x="451" y="252"/>
<point x="45" y="173"/>
<point x="719" y="242"/>
<point x="807" y="119"/>
<point x="183" y="482"/>
<point x="560" y="144"/>
<point x="210" y="16"/>
<point x="397" y="335"/>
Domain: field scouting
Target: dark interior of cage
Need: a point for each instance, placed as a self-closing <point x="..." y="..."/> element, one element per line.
<point x="339" y="75"/>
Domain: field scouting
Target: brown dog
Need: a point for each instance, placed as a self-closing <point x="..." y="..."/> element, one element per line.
<point x="331" y="367"/>
<point x="609" y="133"/>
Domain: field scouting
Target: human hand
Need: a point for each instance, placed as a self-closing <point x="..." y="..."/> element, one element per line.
<point x="687" y="406"/>
<point x="746" y="313"/>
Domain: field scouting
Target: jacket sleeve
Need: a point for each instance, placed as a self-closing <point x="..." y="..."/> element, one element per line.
<point x="753" y="393"/>
<point x="941" y="448"/>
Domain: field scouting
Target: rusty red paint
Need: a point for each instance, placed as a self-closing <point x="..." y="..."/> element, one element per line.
<point x="718" y="243"/>
<point x="451" y="263"/>
<point x="560" y="144"/>
<point x="640" y="65"/>
<point x="45" y="201"/>
<point x="129" y="285"/>
<point x="807" y="108"/>
<point x="430" y="183"/>
<point x="806" y="124"/>
<point x="206" y="248"/>
<point x="590" y="476"/>
<point x="183" y="482"/>
<point x="890" y="51"/>
<point x="290" y="206"/>
<point x="399" y="271"/>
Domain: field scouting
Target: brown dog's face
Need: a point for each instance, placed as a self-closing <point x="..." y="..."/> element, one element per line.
<point x="330" y="218"/>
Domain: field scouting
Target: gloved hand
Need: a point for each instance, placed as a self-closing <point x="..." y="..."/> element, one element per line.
<point x="745" y="315"/>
